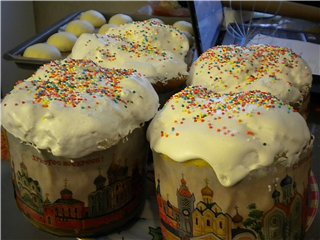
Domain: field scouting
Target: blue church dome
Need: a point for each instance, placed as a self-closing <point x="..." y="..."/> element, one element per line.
<point x="286" y="181"/>
<point x="275" y="194"/>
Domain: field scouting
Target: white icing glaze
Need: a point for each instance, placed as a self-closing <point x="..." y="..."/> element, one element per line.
<point x="235" y="133"/>
<point x="74" y="107"/>
<point x="259" y="67"/>
<point x="115" y="52"/>
<point x="161" y="36"/>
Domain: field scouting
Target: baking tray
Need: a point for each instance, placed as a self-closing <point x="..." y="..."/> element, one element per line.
<point x="16" y="54"/>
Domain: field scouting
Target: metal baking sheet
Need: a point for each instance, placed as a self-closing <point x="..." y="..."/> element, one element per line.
<point x="16" y="54"/>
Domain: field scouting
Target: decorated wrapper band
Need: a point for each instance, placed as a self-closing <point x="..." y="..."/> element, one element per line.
<point x="77" y="146"/>
<point x="272" y="69"/>
<point x="230" y="166"/>
<point x="5" y="155"/>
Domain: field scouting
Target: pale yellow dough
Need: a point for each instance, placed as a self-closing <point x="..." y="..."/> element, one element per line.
<point x="42" y="51"/>
<point x="183" y="26"/>
<point x="190" y="38"/>
<point x="104" y="28"/>
<point x="119" y="19"/>
<point x="155" y="20"/>
<point x="64" y="41"/>
<point x="77" y="27"/>
<point x="94" y="17"/>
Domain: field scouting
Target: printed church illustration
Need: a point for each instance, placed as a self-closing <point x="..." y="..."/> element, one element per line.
<point x="67" y="212"/>
<point x="205" y="219"/>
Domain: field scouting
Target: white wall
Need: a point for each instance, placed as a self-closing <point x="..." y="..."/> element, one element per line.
<point x="17" y="25"/>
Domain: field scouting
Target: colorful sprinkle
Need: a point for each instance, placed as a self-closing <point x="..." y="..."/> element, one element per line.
<point x="236" y="68"/>
<point x="204" y="106"/>
<point x="68" y="81"/>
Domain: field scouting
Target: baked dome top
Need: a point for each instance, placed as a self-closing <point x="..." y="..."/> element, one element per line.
<point x="230" y="68"/>
<point x="162" y="36"/>
<point x="235" y="133"/>
<point x="75" y="107"/>
<point x="111" y="51"/>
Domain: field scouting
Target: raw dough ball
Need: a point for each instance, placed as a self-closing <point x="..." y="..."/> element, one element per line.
<point x="183" y="26"/>
<point x="155" y="20"/>
<point x="190" y="38"/>
<point x="77" y="27"/>
<point x="94" y="17"/>
<point x="104" y="28"/>
<point x="64" y="41"/>
<point x="42" y="51"/>
<point x="119" y="19"/>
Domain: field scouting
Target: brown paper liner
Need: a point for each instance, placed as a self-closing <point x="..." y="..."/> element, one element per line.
<point x="172" y="84"/>
<point x="304" y="108"/>
<point x="177" y="83"/>
<point x="268" y="204"/>
<point x="5" y="154"/>
<point x="165" y="91"/>
<point x="88" y="196"/>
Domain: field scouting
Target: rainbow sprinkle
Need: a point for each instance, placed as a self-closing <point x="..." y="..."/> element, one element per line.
<point x="204" y="106"/>
<point x="72" y="82"/>
<point x="136" y="48"/>
<point x="263" y="61"/>
<point x="146" y="34"/>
